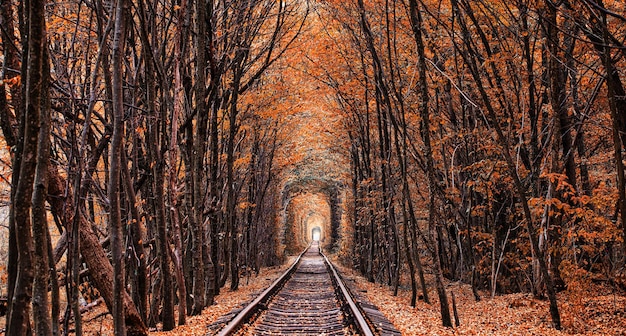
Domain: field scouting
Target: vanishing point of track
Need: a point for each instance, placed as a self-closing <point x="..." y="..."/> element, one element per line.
<point x="308" y="299"/>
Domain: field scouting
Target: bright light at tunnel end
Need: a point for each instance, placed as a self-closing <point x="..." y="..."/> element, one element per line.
<point x="316" y="233"/>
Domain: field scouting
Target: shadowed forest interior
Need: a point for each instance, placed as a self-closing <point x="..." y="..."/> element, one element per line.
<point x="157" y="155"/>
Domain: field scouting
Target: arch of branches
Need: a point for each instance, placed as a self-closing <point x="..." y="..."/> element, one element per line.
<point x="309" y="203"/>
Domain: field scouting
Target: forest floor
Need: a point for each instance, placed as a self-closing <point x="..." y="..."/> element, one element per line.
<point x="596" y="310"/>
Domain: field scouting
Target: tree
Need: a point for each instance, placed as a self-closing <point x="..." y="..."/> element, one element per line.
<point x="115" y="161"/>
<point x="416" y="24"/>
<point x="25" y="167"/>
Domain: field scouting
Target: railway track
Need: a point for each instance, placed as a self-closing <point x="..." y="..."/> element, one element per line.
<point x="308" y="299"/>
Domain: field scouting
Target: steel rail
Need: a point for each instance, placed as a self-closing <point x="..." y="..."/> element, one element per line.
<point x="245" y="314"/>
<point x="360" y="321"/>
<point x="263" y="299"/>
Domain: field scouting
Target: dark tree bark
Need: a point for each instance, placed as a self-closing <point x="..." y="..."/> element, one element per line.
<point x="186" y="151"/>
<point x="384" y="111"/>
<point x="10" y="69"/>
<point x="156" y="143"/>
<point x="214" y="162"/>
<point x="41" y="303"/>
<point x="139" y="281"/>
<point x="178" y="110"/>
<point x="558" y="100"/>
<point x="199" y="153"/>
<point x="231" y="199"/>
<point x="115" y="161"/>
<point x="18" y="317"/>
<point x="416" y="25"/>
<point x="8" y="123"/>
<point x="137" y="268"/>
<point x="558" y="95"/>
<point x="617" y="106"/>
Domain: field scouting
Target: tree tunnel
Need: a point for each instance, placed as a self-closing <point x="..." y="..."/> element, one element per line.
<point x="311" y="210"/>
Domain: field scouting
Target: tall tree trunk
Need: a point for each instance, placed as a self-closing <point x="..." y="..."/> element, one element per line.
<point x="384" y="113"/>
<point x="617" y="106"/>
<point x="156" y="139"/>
<point x="9" y="71"/>
<point x="213" y="268"/>
<point x="558" y="99"/>
<point x="115" y="222"/>
<point x="558" y="95"/>
<point x="179" y="108"/>
<point x="18" y="318"/>
<point x="41" y="303"/>
<point x="9" y="126"/>
<point x="186" y="151"/>
<point x="416" y="25"/>
<point x="231" y="201"/>
<point x="199" y="148"/>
